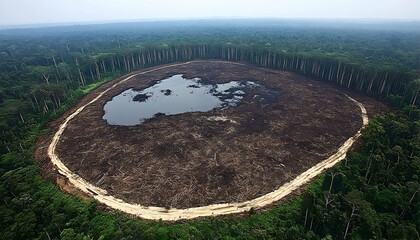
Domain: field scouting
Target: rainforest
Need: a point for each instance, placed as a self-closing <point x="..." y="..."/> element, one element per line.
<point x="312" y="130"/>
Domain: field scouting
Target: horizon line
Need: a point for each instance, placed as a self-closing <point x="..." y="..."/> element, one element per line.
<point x="145" y="20"/>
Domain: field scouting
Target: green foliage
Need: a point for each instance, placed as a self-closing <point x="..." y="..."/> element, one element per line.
<point x="90" y="87"/>
<point x="380" y="182"/>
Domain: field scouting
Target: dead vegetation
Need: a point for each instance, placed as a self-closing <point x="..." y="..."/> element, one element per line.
<point x="197" y="159"/>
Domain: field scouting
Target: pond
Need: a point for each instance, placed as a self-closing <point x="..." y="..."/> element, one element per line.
<point x="177" y="95"/>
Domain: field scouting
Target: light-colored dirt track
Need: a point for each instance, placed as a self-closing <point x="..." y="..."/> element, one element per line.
<point x="174" y="214"/>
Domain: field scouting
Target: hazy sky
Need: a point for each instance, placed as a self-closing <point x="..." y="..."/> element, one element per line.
<point x="58" y="11"/>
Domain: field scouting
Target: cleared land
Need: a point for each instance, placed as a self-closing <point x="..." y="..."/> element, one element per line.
<point x="197" y="159"/>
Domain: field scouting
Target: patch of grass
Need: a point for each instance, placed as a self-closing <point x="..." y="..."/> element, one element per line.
<point x="86" y="89"/>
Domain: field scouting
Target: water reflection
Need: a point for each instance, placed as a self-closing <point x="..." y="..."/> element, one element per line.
<point x="174" y="95"/>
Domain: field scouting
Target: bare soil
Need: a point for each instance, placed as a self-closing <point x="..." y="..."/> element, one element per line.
<point x="201" y="158"/>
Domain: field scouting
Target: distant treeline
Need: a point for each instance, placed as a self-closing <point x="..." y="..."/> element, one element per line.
<point x="377" y="80"/>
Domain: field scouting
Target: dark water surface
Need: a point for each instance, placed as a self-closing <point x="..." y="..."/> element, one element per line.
<point x="176" y="95"/>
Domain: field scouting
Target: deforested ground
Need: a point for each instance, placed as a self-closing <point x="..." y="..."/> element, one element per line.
<point x="220" y="156"/>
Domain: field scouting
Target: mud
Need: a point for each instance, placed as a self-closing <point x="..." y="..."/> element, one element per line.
<point x="173" y="96"/>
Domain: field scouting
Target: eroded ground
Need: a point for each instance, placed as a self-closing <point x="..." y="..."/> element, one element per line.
<point x="195" y="159"/>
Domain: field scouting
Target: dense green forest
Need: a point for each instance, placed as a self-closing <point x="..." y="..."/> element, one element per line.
<point x="371" y="195"/>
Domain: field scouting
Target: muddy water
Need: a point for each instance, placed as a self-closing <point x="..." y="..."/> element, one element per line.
<point x="177" y="95"/>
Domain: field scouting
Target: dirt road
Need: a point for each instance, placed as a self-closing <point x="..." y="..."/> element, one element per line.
<point x="173" y="214"/>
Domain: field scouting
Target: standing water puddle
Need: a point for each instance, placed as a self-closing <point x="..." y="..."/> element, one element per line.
<point x="176" y="95"/>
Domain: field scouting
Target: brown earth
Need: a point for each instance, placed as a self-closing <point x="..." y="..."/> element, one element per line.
<point x="220" y="156"/>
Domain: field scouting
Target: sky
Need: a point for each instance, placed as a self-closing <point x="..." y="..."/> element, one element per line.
<point x="17" y="12"/>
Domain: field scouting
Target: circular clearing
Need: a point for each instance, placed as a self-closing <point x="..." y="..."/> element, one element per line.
<point x="208" y="163"/>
